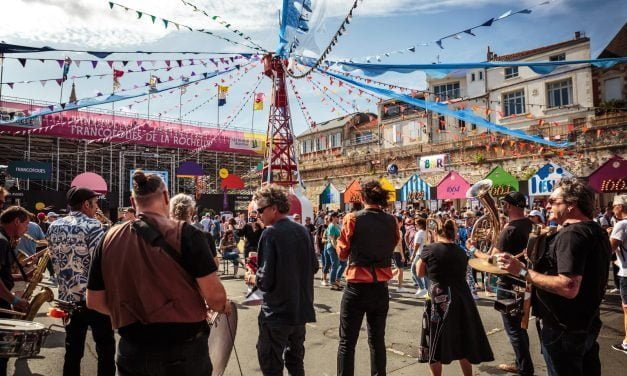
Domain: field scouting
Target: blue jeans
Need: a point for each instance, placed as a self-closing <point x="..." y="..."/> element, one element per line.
<point x="519" y="339"/>
<point x="422" y="282"/>
<point x="188" y="358"/>
<point x="335" y="263"/>
<point x="326" y="262"/>
<point x="572" y="353"/>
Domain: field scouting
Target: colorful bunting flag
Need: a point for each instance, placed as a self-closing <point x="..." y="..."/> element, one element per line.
<point x="258" y="104"/>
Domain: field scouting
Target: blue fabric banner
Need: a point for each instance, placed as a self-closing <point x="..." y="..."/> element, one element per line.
<point x="443" y="109"/>
<point x="539" y="67"/>
<point x="295" y="16"/>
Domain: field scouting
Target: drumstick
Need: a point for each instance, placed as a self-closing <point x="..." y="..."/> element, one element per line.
<point x="12" y="312"/>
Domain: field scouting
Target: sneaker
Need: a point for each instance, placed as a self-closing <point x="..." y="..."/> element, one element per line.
<point x="421" y="293"/>
<point x="620" y="347"/>
<point x="324" y="283"/>
<point x="401" y="289"/>
<point x="613" y="291"/>
<point x="511" y="368"/>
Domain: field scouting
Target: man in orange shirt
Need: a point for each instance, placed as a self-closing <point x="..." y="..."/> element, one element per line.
<point x="367" y="240"/>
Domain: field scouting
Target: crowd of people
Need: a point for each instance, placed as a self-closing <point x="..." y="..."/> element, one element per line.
<point x="154" y="275"/>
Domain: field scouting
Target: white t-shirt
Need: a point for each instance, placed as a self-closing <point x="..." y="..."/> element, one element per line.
<point x="619" y="232"/>
<point x="419" y="238"/>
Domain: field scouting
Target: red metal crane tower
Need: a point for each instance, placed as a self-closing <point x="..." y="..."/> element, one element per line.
<point x="280" y="165"/>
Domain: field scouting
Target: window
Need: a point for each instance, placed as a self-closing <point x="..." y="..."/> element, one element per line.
<point x="447" y="91"/>
<point x="472" y="77"/>
<point x="442" y="123"/>
<point x="303" y="146"/>
<point x="461" y="123"/>
<point x="511" y="72"/>
<point x="560" y="93"/>
<point x="559" y="57"/>
<point x="514" y="103"/>
<point x="335" y="140"/>
<point x="473" y="126"/>
<point x="317" y="148"/>
<point x="480" y="75"/>
<point x="397" y="131"/>
<point x="612" y="89"/>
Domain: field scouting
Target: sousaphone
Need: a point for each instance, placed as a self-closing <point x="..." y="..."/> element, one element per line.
<point x="222" y="339"/>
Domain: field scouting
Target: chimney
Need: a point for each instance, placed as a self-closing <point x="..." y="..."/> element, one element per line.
<point x="489" y="54"/>
<point x="577" y="35"/>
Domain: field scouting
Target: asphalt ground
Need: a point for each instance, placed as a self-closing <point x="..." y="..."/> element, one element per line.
<point x="402" y="338"/>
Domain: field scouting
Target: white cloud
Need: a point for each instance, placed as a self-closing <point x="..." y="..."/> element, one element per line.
<point x="91" y="23"/>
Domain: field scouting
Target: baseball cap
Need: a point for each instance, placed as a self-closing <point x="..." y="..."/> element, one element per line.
<point x="515" y="199"/>
<point x="41" y="215"/>
<point x="77" y="195"/>
<point x="53" y="214"/>
<point x="620" y="200"/>
<point x="536" y="213"/>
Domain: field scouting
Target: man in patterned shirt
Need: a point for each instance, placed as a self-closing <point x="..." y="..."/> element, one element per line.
<point x="72" y="241"/>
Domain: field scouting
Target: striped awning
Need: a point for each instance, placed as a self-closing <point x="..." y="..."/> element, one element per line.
<point x="415" y="189"/>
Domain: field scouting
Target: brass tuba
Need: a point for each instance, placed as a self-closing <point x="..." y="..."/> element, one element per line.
<point x="45" y="295"/>
<point x="486" y="229"/>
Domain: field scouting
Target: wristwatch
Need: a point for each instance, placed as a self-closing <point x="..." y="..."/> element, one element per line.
<point x="523" y="273"/>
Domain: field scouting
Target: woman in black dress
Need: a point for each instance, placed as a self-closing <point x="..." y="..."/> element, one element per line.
<point x="451" y="326"/>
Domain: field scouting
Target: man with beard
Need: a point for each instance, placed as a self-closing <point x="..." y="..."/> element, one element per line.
<point x="569" y="280"/>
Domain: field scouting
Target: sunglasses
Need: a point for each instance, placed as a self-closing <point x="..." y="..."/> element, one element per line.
<point x="261" y="209"/>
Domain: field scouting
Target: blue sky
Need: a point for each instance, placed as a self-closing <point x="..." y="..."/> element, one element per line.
<point x="378" y="26"/>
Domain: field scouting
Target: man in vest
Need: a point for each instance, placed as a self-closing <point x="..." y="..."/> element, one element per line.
<point x="155" y="277"/>
<point x="287" y="264"/>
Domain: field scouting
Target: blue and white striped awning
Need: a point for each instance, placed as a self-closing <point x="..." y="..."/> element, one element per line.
<point x="415" y="189"/>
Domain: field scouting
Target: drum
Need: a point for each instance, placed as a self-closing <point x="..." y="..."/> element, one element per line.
<point x="20" y="338"/>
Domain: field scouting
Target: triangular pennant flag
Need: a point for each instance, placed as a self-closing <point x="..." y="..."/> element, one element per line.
<point x="179" y="62"/>
<point x="23" y="62"/>
<point x="177" y="25"/>
<point x="504" y="15"/>
<point x="63" y="106"/>
<point x="412" y="49"/>
<point x="139" y="14"/>
<point x="43" y="82"/>
<point x="143" y="69"/>
<point x="165" y="23"/>
<point x="469" y="31"/>
<point x="124" y="62"/>
<point x="110" y="5"/>
<point x="78" y="63"/>
<point x="439" y="43"/>
<point x="167" y="62"/>
<point x="10" y="84"/>
<point x="60" y="62"/>
<point x="488" y="22"/>
<point x="59" y="81"/>
<point x="139" y="63"/>
<point x="525" y="11"/>
<point x="153" y="18"/>
<point x="110" y="62"/>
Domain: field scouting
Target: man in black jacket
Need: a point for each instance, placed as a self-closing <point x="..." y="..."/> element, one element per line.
<point x="287" y="263"/>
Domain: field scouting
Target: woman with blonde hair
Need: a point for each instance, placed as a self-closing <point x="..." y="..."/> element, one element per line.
<point x="182" y="207"/>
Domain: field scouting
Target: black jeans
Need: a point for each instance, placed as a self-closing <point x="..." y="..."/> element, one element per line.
<point x="190" y="358"/>
<point x="570" y="353"/>
<point x="275" y="341"/>
<point x="371" y="299"/>
<point x="75" y="334"/>
<point x="519" y="339"/>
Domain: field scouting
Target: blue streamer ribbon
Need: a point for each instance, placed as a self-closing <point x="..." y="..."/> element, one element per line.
<point x="443" y="109"/>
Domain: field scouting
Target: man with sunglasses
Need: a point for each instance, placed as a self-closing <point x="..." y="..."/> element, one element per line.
<point x="569" y="280"/>
<point x="287" y="264"/>
<point x="513" y="240"/>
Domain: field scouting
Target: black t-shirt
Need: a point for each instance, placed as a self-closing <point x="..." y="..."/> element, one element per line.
<point x="577" y="249"/>
<point x="513" y="239"/>
<point x="196" y="259"/>
<point x="446" y="263"/>
<point x="6" y="260"/>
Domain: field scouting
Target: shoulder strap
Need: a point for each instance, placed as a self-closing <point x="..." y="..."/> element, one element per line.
<point x="154" y="238"/>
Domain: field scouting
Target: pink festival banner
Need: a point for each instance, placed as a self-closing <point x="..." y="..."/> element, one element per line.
<point x="453" y="186"/>
<point x="107" y="128"/>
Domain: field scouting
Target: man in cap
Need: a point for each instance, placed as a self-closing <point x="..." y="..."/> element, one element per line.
<point x="52" y="216"/>
<point x="618" y="240"/>
<point x="512" y="239"/>
<point x="536" y="217"/>
<point x="72" y="241"/>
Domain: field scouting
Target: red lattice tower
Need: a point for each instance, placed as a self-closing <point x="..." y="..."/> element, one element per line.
<point x="279" y="166"/>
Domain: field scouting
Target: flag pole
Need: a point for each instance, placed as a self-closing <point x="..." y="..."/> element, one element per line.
<point x="252" y="127"/>
<point x="1" y="74"/>
<point x="218" y="106"/>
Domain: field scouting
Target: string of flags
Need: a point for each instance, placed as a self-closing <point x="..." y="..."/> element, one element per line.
<point x="230" y="120"/>
<point x="456" y="35"/>
<point x="326" y="96"/>
<point x="350" y="89"/>
<point x="219" y="63"/>
<point x="220" y="20"/>
<point x="178" y="25"/>
<point x="308" y="119"/>
<point x="8" y="48"/>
